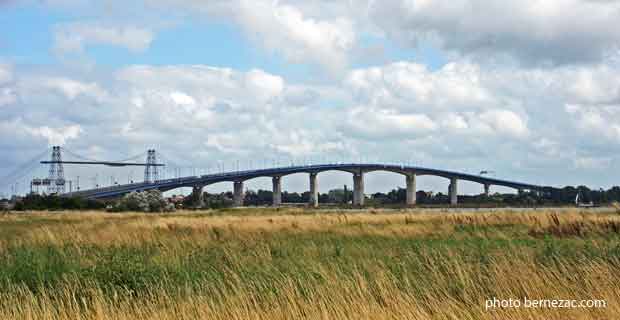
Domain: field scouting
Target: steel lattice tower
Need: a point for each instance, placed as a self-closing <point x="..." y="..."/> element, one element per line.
<point x="56" y="173"/>
<point x="151" y="173"/>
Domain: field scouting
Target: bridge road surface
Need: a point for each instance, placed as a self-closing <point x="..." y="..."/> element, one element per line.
<point x="358" y="171"/>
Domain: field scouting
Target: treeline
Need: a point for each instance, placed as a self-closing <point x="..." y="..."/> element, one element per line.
<point x="564" y="196"/>
<point x="395" y="197"/>
<point x="568" y="194"/>
<point x="53" y="202"/>
<point x="256" y="198"/>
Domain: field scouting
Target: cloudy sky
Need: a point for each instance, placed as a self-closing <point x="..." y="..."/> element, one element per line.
<point x="527" y="89"/>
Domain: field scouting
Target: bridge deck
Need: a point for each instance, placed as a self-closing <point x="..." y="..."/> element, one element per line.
<point x="169" y="184"/>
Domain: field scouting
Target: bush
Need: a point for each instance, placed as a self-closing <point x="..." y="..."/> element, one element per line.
<point x="54" y="202"/>
<point x="146" y="201"/>
<point x="616" y="205"/>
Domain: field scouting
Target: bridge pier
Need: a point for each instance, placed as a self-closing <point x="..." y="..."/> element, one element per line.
<point x="277" y="191"/>
<point x="314" y="190"/>
<point x="238" y="194"/>
<point x="411" y="196"/>
<point x="452" y="191"/>
<point x="357" y="170"/>
<point x="198" y="196"/>
<point x="358" y="189"/>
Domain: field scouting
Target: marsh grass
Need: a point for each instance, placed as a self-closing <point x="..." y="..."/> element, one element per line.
<point x="296" y="263"/>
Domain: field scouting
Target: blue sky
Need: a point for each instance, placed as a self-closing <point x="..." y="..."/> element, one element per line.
<point x="528" y="89"/>
<point x="27" y="37"/>
<point x="30" y="40"/>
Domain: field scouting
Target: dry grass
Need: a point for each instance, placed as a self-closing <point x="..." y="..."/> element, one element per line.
<point x="127" y="228"/>
<point x="294" y="263"/>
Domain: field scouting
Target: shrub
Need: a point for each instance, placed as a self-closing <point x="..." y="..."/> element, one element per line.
<point x="55" y="202"/>
<point x="146" y="201"/>
<point x="616" y="205"/>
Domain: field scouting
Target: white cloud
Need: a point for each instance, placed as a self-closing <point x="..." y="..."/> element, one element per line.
<point x="71" y="89"/>
<point x="505" y="121"/>
<point x="592" y="163"/>
<point x="57" y="136"/>
<point x="7" y="92"/>
<point x="527" y="84"/>
<point x="595" y="85"/>
<point x="496" y="100"/>
<point x="226" y="143"/>
<point x="75" y="37"/>
<point x="407" y="85"/>
<point x="547" y="147"/>
<point x="372" y="123"/>
<point x="263" y="85"/>
<point x="300" y="31"/>
<point x="548" y="32"/>
<point x="299" y="145"/>
<point x="6" y="73"/>
<point x="203" y="86"/>
<point x="296" y="96"/>
<point x="597" y="121"/>
<point x="329" y="33"/>
<point x="453" y="121"/>
<point x="7" y="96"/>
<point x="181" y="99"/>
<point x="499" y="116"/>
<point x="456" y="97"/>
<point x="233" y="112"/>
<point x="22" y="131"/>
<point x="284" y="28"/>
<point x="65" y="3"/>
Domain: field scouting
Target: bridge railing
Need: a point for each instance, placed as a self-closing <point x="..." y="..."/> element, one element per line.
<point x="249" y="174"/>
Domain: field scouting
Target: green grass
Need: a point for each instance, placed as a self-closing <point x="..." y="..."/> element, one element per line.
<point x="135" y="268"/>
<point x="181" y="260"/>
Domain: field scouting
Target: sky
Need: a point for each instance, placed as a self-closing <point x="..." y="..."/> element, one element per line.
<point x="529" y="90"/>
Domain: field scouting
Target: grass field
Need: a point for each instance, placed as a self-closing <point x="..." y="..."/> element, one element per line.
<point x="296" y="263"/>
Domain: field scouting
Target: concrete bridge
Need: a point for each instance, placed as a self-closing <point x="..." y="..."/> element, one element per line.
<point x="357" y="170"/>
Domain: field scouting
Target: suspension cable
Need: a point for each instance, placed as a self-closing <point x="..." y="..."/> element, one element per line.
<point x="21" y="175"/>
<point x="167" y="161"/>
<point x="78" y="156"/>
<point x="27" y="164"/>
<point x="134" y="157"/>
<point x="140" y="155"/>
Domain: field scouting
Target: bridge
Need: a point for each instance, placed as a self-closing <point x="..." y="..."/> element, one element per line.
<point x="357" y="170"/>
<point x="55" y="182"/>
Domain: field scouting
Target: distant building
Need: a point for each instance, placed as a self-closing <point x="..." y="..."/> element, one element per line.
<point x="428" y="194"/>
<point x="177" y="200"/>
<point x="340" y="195"/>
<point x="336" y="195"/>
<point x="5" y="204"/>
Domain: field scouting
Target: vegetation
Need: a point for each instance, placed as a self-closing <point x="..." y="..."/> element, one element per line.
<point x="152" y="201"/>
<point x="297" y="263"/>
<point x="54" y="203"/>
<point x="146" y="201"/>
<point x="256" y="198"/>
<point x="396" y="198"/>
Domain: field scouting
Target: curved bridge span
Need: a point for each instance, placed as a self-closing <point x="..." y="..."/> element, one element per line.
<point x="357" y="170"/>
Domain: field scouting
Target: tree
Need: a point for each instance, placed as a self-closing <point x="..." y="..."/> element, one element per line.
<point x="145" y="201"/>
<point x="55" y="202"/>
